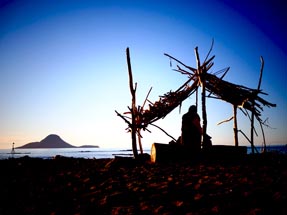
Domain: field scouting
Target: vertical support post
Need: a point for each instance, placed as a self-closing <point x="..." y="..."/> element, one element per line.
<point x="204" y="115"/>
<point x="253" y="104"/>
<point x="139" y="140"/>
<point x="133" y="109"/>
<point x="201" y="74"/>
<point x="252" y="131"/>
<point x="196" y="97"/>
<point x="258" y="88"/>
<point x="235" y="129"/>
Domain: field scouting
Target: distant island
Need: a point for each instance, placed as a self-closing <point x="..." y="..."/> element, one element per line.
<point x="52" y="141"/>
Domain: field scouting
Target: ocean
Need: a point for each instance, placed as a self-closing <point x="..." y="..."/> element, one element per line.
<point x="90" y="153"/>
<point x="95" y="153"/>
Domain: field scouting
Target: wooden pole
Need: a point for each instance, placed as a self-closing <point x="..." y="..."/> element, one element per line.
<point x="201" y="73"/>
<point x="196" y="98"/>
<point x="253" y="104"/>
<point x="140" y="140"/>
<point x="235" y="125"/>
<point x="252" y="132"/>
<point x="258" y="88"/>
<point x="134" y="110"/>
<point x="204" y="115"/>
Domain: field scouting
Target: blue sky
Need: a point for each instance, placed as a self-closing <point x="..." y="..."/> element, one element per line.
<point x="63" y="65"/>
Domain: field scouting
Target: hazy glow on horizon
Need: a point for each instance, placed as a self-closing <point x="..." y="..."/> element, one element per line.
<point x="63" y="68"/>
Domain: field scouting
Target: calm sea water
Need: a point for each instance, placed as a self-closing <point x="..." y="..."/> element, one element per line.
<point x="68" y="152"/>
<point x="93" y="152"/>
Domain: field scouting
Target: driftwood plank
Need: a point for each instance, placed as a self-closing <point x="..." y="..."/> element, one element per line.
<point x="164" y="153"/>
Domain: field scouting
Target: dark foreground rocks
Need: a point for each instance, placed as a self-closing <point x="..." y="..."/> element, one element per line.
<point x="254" y="185"/>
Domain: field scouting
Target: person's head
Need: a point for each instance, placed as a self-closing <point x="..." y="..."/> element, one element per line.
<point x="192" y="109"/>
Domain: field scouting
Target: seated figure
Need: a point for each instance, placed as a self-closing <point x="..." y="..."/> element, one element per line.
<point x="191" y="131"/>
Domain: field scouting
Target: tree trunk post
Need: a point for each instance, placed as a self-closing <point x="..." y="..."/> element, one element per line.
<point x="133" y="110"/>
<point x="235" y="129"/>
<point x="201" y="73"/>
<point x="258" y="88"/>
<point x="252" y="115"/>
<point x="252" y="132"/>
<point x="139" y="140"/>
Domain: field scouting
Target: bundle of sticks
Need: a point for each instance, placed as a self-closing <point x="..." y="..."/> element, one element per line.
<point x="236" y="94"/>
<point x="165" y="105"/>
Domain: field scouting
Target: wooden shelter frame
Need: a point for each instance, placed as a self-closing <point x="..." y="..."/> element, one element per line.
<point x="239" y="96"/>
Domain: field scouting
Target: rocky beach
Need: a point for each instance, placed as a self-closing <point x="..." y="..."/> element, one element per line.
<point x="256" y="184"/>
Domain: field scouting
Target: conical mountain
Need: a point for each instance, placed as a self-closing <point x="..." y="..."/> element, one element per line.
<point x="51" y="141"/>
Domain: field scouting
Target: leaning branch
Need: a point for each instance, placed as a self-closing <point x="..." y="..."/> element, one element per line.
<point x="123" y="118"/>
<point x="163" y="131"/>
<point x="227" y="120"/>
<point x="189" y="67"/>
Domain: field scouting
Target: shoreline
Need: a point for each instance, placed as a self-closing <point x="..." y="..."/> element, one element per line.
<point x="256" y="184"/>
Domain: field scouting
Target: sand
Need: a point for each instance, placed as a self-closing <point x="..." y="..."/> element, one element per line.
<point x="254" y="185"/>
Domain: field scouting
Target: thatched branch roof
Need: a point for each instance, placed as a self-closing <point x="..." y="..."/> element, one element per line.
<point x="236" y="94"/>
<point x="167" y="103"/>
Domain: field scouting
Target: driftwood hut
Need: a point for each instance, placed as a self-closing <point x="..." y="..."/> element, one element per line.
<point x="211" y="86"/>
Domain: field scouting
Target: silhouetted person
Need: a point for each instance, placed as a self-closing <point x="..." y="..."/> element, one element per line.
<point x="191" y="130"/>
